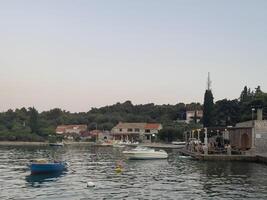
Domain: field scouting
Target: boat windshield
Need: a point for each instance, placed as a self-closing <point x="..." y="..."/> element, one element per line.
<point x="139" y="148"/>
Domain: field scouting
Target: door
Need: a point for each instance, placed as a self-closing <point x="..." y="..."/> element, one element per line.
<point x="245" y="142"/>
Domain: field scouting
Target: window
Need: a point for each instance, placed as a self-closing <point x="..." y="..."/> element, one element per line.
<point x="120" y="129"/>
<point x="130" y="130"/>
<point x="148" y="137"/>
<point x="136" y="130"/>
<point x="147" y="131"/>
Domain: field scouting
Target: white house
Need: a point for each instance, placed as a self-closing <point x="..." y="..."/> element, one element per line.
<point x="191" y="114"/>
<point x="144" y="132"/>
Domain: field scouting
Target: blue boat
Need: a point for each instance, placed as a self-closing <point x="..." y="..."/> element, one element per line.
<point x="43" y="167"/>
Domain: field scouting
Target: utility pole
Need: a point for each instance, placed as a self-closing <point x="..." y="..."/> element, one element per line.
<point x="252" y="113"/>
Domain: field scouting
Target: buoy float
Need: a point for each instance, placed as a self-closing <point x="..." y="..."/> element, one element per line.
<point x="118" y="169"/>
<point x="90" y="184"/>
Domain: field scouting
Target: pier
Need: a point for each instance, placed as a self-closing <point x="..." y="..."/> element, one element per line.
<point x="162" y="146"/>
<point x="259" y="158"/>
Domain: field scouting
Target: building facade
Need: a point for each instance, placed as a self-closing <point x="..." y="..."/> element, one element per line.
<point x="98" y="135"/>
<point x="250" y="136"/>
<point x="144" y="132"/>
<point x="71" y="129"/>
<point x="191" y="114"/>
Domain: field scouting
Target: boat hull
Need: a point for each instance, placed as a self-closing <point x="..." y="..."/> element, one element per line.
<point x="56" y="144"/>
<point x="179" y="143"/>
<point x="145" y="156"/>
<point x="43" y="168"/>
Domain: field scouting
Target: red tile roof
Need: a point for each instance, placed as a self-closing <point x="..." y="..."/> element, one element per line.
<point x="63" y="128"/>
<point x="155" y="126"/>
<point x="95" y="132"/>
<point x="152" y="126"/>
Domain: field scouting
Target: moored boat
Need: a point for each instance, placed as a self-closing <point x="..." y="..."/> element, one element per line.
<point x="58" y="144"/>
<point x="144" y="153"/>
<point x="179" y="143"/>
<point x="118" y="145"/>
<point x="42" y="166"/>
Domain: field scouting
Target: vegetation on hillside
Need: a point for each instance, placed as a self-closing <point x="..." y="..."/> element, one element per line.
<point x="29" y="125"/>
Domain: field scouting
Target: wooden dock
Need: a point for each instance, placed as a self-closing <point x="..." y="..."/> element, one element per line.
<point x="262" y="158"/>
<point x="163" y="146"/>
<point x="220" y="157"/>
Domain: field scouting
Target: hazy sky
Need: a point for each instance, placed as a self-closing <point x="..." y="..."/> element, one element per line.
<point x="81" y="54"/>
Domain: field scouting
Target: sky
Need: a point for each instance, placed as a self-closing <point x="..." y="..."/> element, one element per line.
<point x="80" y="54"/>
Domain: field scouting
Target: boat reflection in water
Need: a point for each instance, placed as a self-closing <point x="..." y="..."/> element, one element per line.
<point x="35" y="180"/>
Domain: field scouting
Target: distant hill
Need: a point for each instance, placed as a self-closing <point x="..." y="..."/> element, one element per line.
<point x="28" y="124"/>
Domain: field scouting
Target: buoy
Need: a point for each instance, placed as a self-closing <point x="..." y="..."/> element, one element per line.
<point x="90" y="184"/>
<point x="118" y="169"/>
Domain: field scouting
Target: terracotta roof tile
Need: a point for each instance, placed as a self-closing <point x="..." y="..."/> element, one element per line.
<point x="131" y="125"/>
<point x="63" y="128"/>
<point x="152" y="126"/>
<point x="138" y="125"/>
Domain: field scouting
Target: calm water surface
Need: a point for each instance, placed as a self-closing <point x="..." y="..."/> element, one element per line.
<point x="177" y="177"/>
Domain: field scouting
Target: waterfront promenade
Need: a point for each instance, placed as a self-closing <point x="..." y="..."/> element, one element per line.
<point x="161" y="145"/>
<point x="260" y="158"/>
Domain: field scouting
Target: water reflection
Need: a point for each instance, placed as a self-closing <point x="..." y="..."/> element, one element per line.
<point x="224" y="168"/>
<point x="228" y="179"/>
<point x="37" y="180"/>
<point x="178" y="177"/>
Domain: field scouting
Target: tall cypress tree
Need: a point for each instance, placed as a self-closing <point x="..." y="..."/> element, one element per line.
<point x="208" y="109"/>
<point x="244" y="94"/>
<point x="33" y="121"/>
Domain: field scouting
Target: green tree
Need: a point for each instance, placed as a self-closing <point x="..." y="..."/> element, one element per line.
<point x="227" y="112"/>
<point x="208" y="109"/>
<point x="170" y="134"/>
<point x="258" y="92"/>
<point x="244" y="94"/>
<point x="256" y="99"/>
<point x="33" y="121"/>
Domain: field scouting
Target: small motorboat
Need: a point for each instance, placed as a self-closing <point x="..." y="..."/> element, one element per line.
<point x="42" y="166"/>
<point x="58" y="144"/>
<point x="118" y="145"/>
<point x="144" y="153"/>
<point x="179" y="143"/>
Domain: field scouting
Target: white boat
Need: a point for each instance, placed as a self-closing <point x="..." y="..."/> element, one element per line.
<point x="118" y="145"/>
<point x="179" y="143"/>
<point x="144" y="153"/>
<point x="106" y="144"/>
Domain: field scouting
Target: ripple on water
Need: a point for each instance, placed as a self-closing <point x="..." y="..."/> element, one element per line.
<point x="175" y="178"/>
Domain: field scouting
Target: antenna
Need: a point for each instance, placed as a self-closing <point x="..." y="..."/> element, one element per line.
<point x="209" y="82"/>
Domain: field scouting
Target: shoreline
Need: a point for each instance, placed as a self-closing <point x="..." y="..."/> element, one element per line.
<point x="22" y="143"/>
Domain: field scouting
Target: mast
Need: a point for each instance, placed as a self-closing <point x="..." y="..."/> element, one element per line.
<point x="209" y="82"/>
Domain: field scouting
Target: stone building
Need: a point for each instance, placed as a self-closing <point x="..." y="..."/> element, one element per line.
<point x="250" y="136"/>
<point x="71" y="129"/>
<point x="144" y="132"/>
<point x="191" y="114"/>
